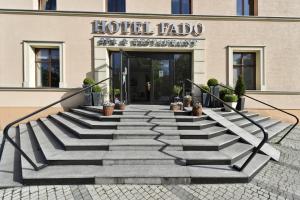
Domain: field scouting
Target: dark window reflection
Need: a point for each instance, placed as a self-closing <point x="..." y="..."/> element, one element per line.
<point x="245" y="7"/>
<point x="116" y="6"/>
<point x="181" y="6"/>
<point x="245" y="64"/>
<point x="47" y="67"/>
<point x="47" y="4"/>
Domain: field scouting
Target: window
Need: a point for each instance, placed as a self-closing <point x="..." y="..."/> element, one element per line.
<point x="47" y="4"/>
<point x="247" y="7"/>
<point x="47" y="67"/>
<point x="181" y="6"/>
<point x="116" y="6"/>
<point x="245" y="64"/>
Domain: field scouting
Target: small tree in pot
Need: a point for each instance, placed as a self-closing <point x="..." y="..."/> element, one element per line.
<point x="108" y="108"/>
<point x="96" y="94"/>
<point x="88" y="101"/>
<point x="231" y="100"/>
<point x="176" y="90"/>
<point x="212" y="83"/>
<point x="240" y="91"/>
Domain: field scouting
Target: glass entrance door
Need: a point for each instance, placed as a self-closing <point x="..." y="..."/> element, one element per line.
<point x="150" y="77"/>
<point x="161" y="81"/>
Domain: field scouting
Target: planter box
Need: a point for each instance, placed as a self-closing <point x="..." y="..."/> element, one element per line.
<point x="205" y="100"/>
<point x="232" y="104"/>
<point x="241" y="103"/>
<point x="215" y="90"/>
<point x="96" y="98"/>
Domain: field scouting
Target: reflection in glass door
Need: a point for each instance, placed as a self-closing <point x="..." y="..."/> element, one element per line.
<point x="161" y="80"/>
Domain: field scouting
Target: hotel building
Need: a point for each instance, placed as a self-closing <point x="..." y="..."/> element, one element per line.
<point x="47" y="48"/>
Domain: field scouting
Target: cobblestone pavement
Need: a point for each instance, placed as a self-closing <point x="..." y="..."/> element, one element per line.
<point x="278" y="180"/>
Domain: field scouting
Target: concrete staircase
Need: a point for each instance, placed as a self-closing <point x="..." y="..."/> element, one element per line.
<point x="273" y="127"/>
<point x="141" y="145"/>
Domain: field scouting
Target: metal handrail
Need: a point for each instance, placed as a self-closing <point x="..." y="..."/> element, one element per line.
<point x="15" y="145"/>
<point x="281" y="110"/>
<point x="265" y="138"/>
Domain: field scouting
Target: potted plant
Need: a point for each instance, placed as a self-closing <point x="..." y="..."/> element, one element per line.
<point x="187" y="101"/>
<point x="108" y="108"/>
<point x="197" y="109"/>
<point x="176" y="106"/>
<point x="88" y="101"/>
<point x="176" y="90"/>
<point x="120" y="105"/>
<point x="204" y="95"/>
<point x="239" y="90"/>
<point x="96" y="95"/>
<point x="231" y="100"/>
<point x="212" y="84"/>
<point x="225" y="91"/>
<point x="117" y="93"/>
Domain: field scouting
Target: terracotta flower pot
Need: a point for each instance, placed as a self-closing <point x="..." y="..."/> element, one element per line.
<point x="197" y="111"/>
<point x="108" y="110"/>
<point x="187" y="102"/>
<point x="174" y="107"/>
<point x="120" y="106"/>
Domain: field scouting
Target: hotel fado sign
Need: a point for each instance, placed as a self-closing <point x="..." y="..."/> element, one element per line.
<point x="145" y="28"/>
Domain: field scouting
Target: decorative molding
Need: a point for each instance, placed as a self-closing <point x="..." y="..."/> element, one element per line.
<point x="24" y="89"/>
<point x="153" y="16"/>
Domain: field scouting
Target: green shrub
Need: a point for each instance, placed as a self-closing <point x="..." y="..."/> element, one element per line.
<point x="88" y="81"/>
<point x="240" y="87"/>
<point x="96" y="89"/>
<point x="117" y="92"/>
<point x="177" y="89"/>
<point x="212" y="82"/>
<point x="205" y="88"/>
<point x="225" y="91"/>
<point x="230" y="98"/>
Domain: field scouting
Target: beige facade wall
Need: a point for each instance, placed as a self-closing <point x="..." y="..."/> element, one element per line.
<point x="281" y="56"/>
<point x="82" y="5"/>
<point x="279" y="8"/>
<point x="270" y="8"/>
<point x="214" y="7"/>
<point x="17" y="4"/>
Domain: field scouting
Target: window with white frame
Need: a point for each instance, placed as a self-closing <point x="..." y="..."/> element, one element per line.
<point x="248" y="61"/>
<point x="44" y="64"/>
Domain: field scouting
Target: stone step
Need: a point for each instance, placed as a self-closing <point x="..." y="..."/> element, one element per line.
<point x="138" y="111"/>
<point x="29" y="144"/>
<point x="83" y="132"/>
<point x="139" y="125"/>
<point x="255" y="165"/>
<point x="237" y="151"/>
<point x="227" y="114"/>
<point x="275" y="130"/>
<point x="55" y="154"/>
<point x="138" y="174"/>
<point x="10" y="174"/>
<point x="253" y="129"/>
<point x="70" y="142"/>
<point x="136" y="118"/>
<point x="244" y="122"/>
<point x="238" y="117"/>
